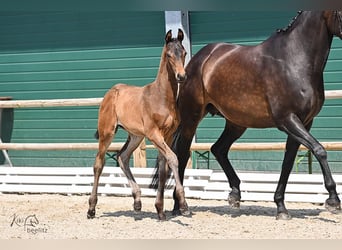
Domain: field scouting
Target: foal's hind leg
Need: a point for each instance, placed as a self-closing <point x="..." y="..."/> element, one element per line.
<point x="105" y="139"/>
<point x="220" y="150"/>
<point x="107" y="123"/>
<point x="124" y="155"/>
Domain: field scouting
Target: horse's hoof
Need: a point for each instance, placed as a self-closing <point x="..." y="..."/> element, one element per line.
<point x="176" y="212"/>
<point x="91" y="214"/>
<point x="283" y="216"/>
<point x="233" y="202"/>
<point x="137" y="206"/>
<point x="333" y="206"/>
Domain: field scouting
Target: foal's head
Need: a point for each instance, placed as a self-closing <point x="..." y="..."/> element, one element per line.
<point x="175" y="55"/>
<point x="334" y="22"/>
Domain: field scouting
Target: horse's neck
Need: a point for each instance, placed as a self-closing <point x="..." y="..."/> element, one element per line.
<point x="310" y="37"/>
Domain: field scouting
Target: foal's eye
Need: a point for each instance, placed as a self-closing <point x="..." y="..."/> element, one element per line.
<point x="168" y="55"/>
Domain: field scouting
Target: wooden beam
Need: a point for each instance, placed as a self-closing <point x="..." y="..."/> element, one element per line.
<point x="262" y="146"/>
<point x="139" y="156"/>
<point x="50" y="103"/>
<point x="58" y="146"/>
<point x="194" y="147"/>
<point x="333" y="94"/>
<point x="329" y="94"/>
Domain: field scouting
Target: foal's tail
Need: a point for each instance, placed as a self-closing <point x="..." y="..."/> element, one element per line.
<point x="155" y="179"/>
<point x="96" y="135"/>
<point x="108" y="106"/>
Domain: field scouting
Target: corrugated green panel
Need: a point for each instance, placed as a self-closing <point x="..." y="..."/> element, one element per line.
<point x="52" y="55"/>
<point x="75" y="30"/>
<point x="250" y="28"/>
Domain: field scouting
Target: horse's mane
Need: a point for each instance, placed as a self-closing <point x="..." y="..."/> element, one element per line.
<point x="291" y="23"/>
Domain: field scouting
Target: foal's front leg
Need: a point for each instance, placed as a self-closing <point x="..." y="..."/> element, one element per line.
<point x="172" y="162"/>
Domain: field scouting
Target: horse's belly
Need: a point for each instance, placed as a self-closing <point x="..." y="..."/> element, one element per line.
<point x="246" y="113"/>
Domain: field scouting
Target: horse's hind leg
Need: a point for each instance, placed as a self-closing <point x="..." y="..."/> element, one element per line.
<point x="220" y="150"/>
<point x="162" y="172"/>
<point x="124" y="155"/>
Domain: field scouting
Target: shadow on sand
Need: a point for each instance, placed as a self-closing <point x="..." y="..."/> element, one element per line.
<point x="245" y="210"/>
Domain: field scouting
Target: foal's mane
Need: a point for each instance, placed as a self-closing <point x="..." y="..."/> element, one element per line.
<point x="291" y="23"/>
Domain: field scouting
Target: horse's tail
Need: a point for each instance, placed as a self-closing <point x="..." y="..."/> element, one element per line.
<point x="155" y="178"/>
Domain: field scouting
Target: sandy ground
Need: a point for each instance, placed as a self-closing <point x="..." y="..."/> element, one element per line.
<point x="64" y="217"/>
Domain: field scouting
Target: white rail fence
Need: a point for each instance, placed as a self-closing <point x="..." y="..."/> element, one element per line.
<point x="204" y="184"/>
<point x="198" y="183"/>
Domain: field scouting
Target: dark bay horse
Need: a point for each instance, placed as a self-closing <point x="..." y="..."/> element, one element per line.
<point x="278" y="83"/>
<point x="148" y="111"/>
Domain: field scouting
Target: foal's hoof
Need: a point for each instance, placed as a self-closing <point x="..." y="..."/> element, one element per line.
<point x="185" y="212"/>
<point x="162" y="217"/>
<point x="333" y="206"/>
<point x="91" y="214"/>
<point x="137" y="206"/>
<point x="283" y="216"/>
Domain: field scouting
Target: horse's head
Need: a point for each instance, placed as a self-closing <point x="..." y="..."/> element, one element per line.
<point x="334" y="22"/>
<point x="175" y="55"/>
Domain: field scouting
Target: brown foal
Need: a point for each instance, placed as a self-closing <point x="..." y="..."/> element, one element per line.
<point x="149" y="111"/>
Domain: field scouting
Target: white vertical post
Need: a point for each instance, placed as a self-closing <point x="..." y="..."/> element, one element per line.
<point x="175" y="20"/>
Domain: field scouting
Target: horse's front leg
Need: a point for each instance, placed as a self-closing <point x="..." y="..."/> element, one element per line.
<point x="220" y="150"/>
<point x="279" y="196"/>
<point x="300" y="133"/>
<point x="181" y="146"/>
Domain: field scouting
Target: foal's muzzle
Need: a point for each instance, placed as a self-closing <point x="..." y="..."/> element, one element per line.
<point x="180" y="77"/>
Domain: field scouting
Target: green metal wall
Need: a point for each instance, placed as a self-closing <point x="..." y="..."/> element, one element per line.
<point x="251" y="28"/>
<point x="48" y="55"/>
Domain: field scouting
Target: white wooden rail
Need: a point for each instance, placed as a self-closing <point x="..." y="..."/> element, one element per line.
<point x="198" y="183"/>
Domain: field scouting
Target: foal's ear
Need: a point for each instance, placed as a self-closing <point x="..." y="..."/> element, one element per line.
<point x="168" y="36"/>
<point x="180" y="36"/>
